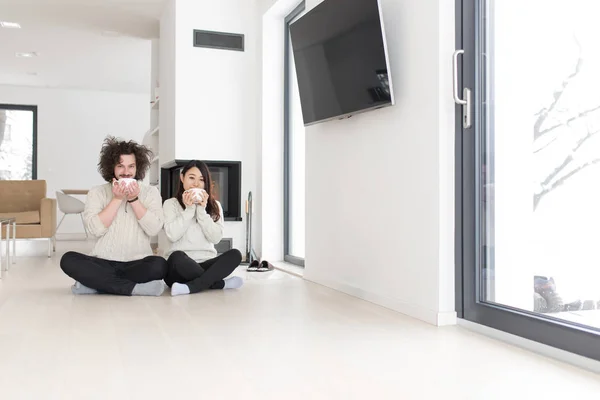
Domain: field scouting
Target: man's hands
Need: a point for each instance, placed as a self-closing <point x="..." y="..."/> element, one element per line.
<point x="119" y="190"/>
<point x="122" y="191"/>
<point x="133" y="191"/>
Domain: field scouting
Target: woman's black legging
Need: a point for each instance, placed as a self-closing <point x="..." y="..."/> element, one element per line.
<point x="208" y="274"/>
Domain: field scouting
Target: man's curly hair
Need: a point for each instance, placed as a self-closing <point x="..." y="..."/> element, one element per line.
<point x="113" y="149"/>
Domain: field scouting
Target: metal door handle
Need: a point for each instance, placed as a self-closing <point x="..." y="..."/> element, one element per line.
<point x="465" y="102"/>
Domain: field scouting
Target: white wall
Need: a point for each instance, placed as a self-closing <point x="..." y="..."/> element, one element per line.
<point x="394" y="244"/>
<point x="167" y="82"/>
<point x="71" y="127"/>
<point x="446" y="162"/>
<point x="216" y="99"/>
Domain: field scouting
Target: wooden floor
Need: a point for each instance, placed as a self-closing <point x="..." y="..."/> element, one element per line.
<point x="278" y="337"/>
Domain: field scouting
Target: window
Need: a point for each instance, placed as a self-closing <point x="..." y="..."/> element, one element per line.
<point x="294" y="155"/>
<point x="528" y="205"/>
<point x="18" y="142"/>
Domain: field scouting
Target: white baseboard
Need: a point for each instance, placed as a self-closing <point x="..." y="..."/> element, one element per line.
<point x="446" y="318"/>
<point x="420" y="313"/>
<point x="536" y="347"/>
<point x="289" y="268"/>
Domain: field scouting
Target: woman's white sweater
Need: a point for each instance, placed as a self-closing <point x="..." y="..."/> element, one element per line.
<point x="192" y="230"/>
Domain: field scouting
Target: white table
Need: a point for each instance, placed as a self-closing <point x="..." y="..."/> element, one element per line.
<point x="75" y="191"/>
<point x="9" y="222"/>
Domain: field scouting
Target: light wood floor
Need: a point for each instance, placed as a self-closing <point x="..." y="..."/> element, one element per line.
<point x="278" y="337"/>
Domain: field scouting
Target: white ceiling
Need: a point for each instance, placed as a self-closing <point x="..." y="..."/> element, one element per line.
<point x="82" y="44"/>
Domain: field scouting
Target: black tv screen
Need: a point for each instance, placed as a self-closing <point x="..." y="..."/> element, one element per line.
<point x="341" y="60"/>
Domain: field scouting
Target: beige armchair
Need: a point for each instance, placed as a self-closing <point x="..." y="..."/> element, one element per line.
<point x="35" y="214"/>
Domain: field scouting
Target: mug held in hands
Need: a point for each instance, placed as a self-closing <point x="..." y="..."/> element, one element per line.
<point x="197" y="194"/>
<point x="125" y="184"/>
<point x="127" y="181"/>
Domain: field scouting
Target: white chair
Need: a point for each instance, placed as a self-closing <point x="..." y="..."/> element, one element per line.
<point x="70" y="205"/>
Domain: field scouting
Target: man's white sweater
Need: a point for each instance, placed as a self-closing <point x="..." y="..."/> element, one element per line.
<point x="127" y="238"/>
<point x="192" y="230"/>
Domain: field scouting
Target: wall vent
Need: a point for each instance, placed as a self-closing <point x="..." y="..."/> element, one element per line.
<point x="219" y="40"/>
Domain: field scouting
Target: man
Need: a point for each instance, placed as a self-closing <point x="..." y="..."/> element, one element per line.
<point x="123" y="216"/>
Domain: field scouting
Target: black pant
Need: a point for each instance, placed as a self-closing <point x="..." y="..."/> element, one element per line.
<point x="113" y="277"/>
<point x="208" y="274"/>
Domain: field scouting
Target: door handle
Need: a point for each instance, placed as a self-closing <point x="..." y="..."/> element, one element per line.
<point x="465" y="102"/>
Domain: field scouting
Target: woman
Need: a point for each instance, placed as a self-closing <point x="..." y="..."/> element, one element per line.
<point x="194" y="224"/>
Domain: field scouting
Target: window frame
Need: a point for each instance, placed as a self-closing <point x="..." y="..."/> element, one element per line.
<point x="286" y="137"/>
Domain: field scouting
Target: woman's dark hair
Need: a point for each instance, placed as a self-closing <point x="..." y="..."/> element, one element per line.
<point x="113" y="149"/>
<point x="211" y="206"/>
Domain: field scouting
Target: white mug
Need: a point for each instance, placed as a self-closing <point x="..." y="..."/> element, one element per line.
<point x="128" y="181"/>
<point x="196" y="194"/>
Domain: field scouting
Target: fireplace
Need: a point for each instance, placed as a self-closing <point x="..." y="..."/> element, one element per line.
<point x="226" y="184"/>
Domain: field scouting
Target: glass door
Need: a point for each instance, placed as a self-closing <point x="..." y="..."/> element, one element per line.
<point x="528" y="151"/>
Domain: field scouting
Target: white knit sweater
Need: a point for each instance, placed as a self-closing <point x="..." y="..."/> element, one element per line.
<point x="192" y="230"/>
<point x="127" y="238"/>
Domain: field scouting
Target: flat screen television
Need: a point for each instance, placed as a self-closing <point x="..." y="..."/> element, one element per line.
<point x="341" y="60"/>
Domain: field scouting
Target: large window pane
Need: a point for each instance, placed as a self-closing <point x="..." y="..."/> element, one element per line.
<point x="542" y="124"/>
<point x="529" y="205"/>
<point x="17" y="143"/>
<point x="294" y="188"/>
<point x="296" y="167"/>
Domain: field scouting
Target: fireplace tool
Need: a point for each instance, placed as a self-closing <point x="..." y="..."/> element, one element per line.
<point x="250" y="254"/>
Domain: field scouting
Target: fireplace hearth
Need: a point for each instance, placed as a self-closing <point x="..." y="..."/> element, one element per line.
<point x="226" y="184"/>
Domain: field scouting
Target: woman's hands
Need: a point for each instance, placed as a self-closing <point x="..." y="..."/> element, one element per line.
<point x="204" y="199"/>
<point x="191" y="197"/>
<point x="188" y="198"/>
